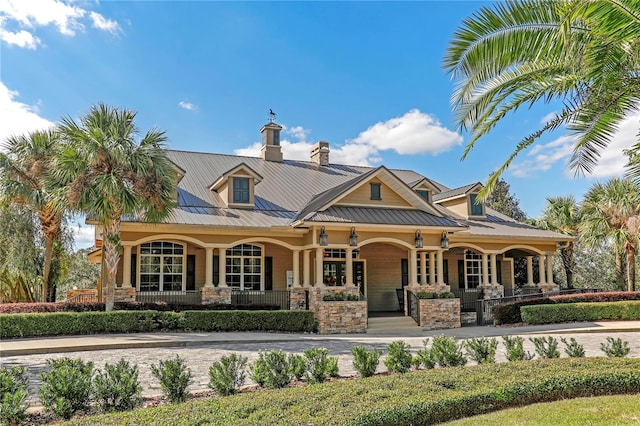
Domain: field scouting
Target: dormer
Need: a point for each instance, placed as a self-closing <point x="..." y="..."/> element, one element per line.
<point x="463" y="201"/>
<point x="425" y="189"/>
<point x="236" y="187"/>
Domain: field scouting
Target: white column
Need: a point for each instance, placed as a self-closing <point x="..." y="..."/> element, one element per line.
<point x="530" y="271"/>
<point x="542" y="281"/>
<point x="222" y="267"/>
<point x="440" y="265"/>
<point x="306" y="268"/>
<point x="549" y="269"/>
<point x="319" y="259"/>
<point x="423" y="268"/>
<point x="208" y="267"/>
<point x="432" y="268"/>
<point x="413" y="267"/>
<point x="494" y="269"/>
<point x="485" y="269"/>
<point x="349" y="272"/>
<point x="296" y="268"/>
<point x="126" y="267"/>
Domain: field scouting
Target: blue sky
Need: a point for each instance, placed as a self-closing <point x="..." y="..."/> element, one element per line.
<point x="365" y="76"/>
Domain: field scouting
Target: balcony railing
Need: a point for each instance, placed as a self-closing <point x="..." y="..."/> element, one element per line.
<point x="190" y="297"/>
<point x="257" y="297"/>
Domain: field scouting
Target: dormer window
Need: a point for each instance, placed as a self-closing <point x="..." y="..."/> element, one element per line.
<point x="241" y="193"/>
<point x="236" y="186"/>
<point x="376" y="192"/>
<point x="425" y="194"/>
<point x="475" y="209"/>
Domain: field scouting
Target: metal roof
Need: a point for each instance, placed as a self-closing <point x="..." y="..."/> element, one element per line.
<point x="389" y="216"/>
<point x="454" y="192"/>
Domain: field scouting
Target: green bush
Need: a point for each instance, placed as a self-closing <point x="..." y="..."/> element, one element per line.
<point x="317" y="364"/>
<point x="482" y="350"/>
<point x="510" y="312"/>
<point x="227" y="375"/>
<point x="117" y="387"/>
<point x="546" y="347"/>
<point x="572" y="348"/>
<point x="285" y="321"/>
<point x="426" y="295"/>
<point x="13" y="395"/>
<point x="333" y="370"/>
<point x="297" y="365"/>
<point x="569" y="312"/>
<point x="365" y="361"/>
<point x="615" y="348"/>
<point x="425" y="356"/>
<point x="271" y="369"/>
<point x="446" y="352"/>
<point x="399" y="357"/>
<point x="66" y="387"/>
<point x="515" y="349"/>
<point x="174" y="377"/>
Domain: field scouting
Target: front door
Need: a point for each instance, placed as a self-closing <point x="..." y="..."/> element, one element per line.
<point x="335" y="273"/>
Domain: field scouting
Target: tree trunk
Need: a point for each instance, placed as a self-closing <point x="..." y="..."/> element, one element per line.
<point x="569" y="263"/>
<point x="631" y="268"/>
<point x="620" y="279"/>
<point x="50" y="223"/>
<point x="111" y="247"/>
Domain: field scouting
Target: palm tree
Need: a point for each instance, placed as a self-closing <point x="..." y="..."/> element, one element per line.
<point x="111" y="177"/>
<point x="611" y="210"/>
<point x="562" y="215"/>
<point x="585" y="53"/>
<point x="24" y="179"/>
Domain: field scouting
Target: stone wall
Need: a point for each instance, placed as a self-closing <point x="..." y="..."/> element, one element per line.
<point x="297" y="298"/>
<point x="549" y="288"/>
<point x="438" y="314"/>
<point x="216" y="295"/>
<point x="342" y="317"/>
<point x="125" y="294"/>
<point x="492" y="291"/>
<point x="317" y="293"/>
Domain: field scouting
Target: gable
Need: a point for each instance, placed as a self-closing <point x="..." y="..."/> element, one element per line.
<point x="362" y="196"/>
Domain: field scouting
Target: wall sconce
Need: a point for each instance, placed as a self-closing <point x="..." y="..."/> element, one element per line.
<point x="324" y="238"/>
<point x="418" y="239"/>
<point x="353" y="238"/>
<point x="444" y="241"/>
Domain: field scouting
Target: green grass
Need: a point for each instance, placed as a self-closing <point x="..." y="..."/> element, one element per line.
<point x="424" y="397"/>
<point x="603" y="410"/>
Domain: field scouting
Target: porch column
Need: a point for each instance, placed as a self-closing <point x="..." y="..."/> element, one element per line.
<point x="222" y="267"/>
<point x="349" y="272"/>
<point x="296" y="268"/>
<point x="494" y="269"/>
<point x="432" y="268"/>
<point x="413" y="267"/>
<point x="126" y="267"/>
<point x="208" y="267"/>
<point x="530" y="282"/>
<point x="423" y="268"/>
<point x="485" y="269"/>
<point x="319" y="258"/>
<point x="542" y="281"/>
<point x="306" y="268"/>
<point x="549" y="269"/>
<point x="440" y="263"/>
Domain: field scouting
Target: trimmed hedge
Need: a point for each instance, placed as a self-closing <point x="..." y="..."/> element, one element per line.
<point x="569" y="312"/>
<point x="416" y="398"/>
<point x="73" y="323"/>
<point x="32" y="308"/>
<point x="509" y="313"/>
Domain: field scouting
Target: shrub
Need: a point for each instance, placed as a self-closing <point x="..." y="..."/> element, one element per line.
<point x="13" y="395"/>
<point x="615" y="348"/>
<point x="426" y="295"/>
<point x="572" y="348"/>
<point x="287" y="321"/>
<point x="546" y="347"/>
<point x="297" y="365"/>
<point x="227" y="375"/>
<point x="515" y="350"/>
<point x="174" y="377"/>
<point x="271" y="370"/>
<point x="425" y="356"/>
<point x="365" y="361"/>
<point x="66" y="387"/>
<point x="399" y="357"/>
<point x="611" y="296"/>
<point x="317" y="364"/>
<point x="482" y="350"/>
<point x="31" y="308"/>
<point x="333" y="370"/>
<point x="566" y="312"/>
<point x="446" y="352"/>
<point x="510" y="313"/>
<point x="117" y="387"/>
<point x="339" y="296"/>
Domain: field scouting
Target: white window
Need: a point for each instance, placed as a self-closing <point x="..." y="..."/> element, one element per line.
<point x="161" y="266"/>
<point x="244" y="267"/>
<point x="473" y="269"/>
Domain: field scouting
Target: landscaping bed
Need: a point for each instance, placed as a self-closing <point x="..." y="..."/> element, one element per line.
<point x="570" y="312"/>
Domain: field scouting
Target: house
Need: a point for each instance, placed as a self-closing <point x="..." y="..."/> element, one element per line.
<point x="260" y="227"/>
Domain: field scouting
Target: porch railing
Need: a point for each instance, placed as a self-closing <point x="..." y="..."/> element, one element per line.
<point x="83" y="298"/>
<point x="191" y="297"/>
<point x="413" y="306"/>
<point x="468" y="298"/>
<point x="251" y="297"/>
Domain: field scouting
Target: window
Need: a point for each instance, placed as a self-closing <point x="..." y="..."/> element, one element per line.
<point x="473" y="268"/>
<point x="475" y="209"/>
<point x="445" y="270"/>
<point x="244" y="267"/>
<point x="424" y="194"/>
<point x="375" y="191"/>
<point x="276" y="137"/>
<point x="241" y="190"/>
<point x="161" y="266"/>
<point x="339" y="253"/>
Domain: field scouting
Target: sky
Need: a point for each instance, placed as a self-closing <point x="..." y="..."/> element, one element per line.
<point x="364" y="76"/>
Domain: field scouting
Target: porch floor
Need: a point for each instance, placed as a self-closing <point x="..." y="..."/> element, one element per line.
<point x="391" y="325"/>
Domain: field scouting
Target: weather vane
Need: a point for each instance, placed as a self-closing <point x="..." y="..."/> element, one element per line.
<point x="272" y="116"/>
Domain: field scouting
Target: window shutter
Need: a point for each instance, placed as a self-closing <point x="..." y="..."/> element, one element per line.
<point x="461" y="273"/>
<point x="216" y="270"/>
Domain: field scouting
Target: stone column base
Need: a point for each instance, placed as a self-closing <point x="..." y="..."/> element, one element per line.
<point x="124" y="295"/>
<point x="342" y="317"/>
<point x="549" y="288"/>
<point x="298" y="298"/>
<point x="492" y="291"/>
<point x="216" y="295"/>
<point x="436" y="314"/>
<point x="317" y="293"/>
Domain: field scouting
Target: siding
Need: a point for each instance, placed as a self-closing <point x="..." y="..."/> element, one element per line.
<point x="383" y="275"/>
<point x="362" y="196"/>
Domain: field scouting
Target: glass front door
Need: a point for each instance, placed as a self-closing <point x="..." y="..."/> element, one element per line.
<point x="335" y="273"/>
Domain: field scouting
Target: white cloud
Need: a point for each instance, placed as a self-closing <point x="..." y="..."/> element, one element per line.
<point x="20" y="19"/>
<point x="17" y="118"/>
<point x="83" y="235"/>
<point x="298" y="132"/>
<point x="187" y="105"/>
<point x="548" y="117"/>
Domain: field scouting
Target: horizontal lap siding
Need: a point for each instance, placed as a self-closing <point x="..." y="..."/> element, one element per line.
<point x="282" y="262"/>
<point x="383" y="275"/>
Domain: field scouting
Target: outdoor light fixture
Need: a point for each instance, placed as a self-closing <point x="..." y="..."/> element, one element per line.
<point x="444" y="241"/>
<point x="418" y="239"/>
<point x="353" y="238"/>
<point x="324" y="238"/>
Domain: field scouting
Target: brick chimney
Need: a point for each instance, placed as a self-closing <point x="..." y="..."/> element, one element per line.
<point x="320" y="153"/>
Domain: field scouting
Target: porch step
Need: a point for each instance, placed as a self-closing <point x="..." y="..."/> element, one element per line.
<point x="391" y="325"/>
